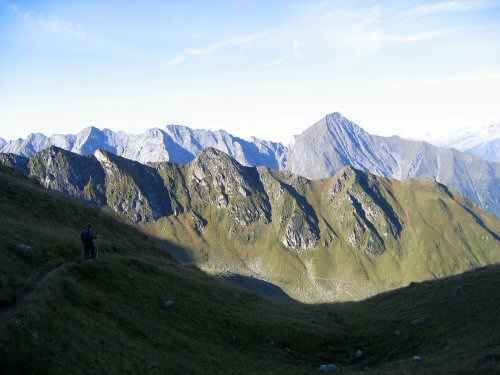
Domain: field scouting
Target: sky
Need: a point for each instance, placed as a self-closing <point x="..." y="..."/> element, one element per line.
<point x="254" y="68"/>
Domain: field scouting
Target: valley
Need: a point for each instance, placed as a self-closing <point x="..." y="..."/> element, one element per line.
<point x="110" y="316"/>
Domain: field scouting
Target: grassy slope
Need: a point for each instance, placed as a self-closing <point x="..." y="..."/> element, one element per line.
<point x="375" y="234"/>
<point x="108" y="317"/>
<point x="440" y="236"/>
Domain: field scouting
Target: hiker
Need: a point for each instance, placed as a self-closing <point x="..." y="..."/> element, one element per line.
<point x="88" y="238"/>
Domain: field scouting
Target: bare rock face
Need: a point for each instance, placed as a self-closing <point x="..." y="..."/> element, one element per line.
<point x="126" y="186"/>
<point x="334" y="142"/>
<point x="70" y="173"/>
<point x="300" y="234"/>
<point x="321" y="151"/>
<point x="198" y="223"/>
<point x="339" y="183"/>
<point x="15" y="161"/>
<point x="174" y="143"/>
<point x="367" y="218"/>
<point x="216" y="179"/>
<point x="134" y="189"/>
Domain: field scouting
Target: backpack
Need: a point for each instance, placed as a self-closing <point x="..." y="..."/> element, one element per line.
<point x="86" y="236"/>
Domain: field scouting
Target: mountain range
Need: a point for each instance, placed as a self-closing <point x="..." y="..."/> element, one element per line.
<point x="333" y="142"/>
<point x="136" y="310"/>
<point x="321" y="151"/>
<point x="345" y="237"/>
<point x="174" y="143"/>
<point x="483" y="141"/>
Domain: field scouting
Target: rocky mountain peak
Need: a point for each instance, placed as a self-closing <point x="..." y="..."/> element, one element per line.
<point x="319" y="152"/>
<point x="35" y="136"/>
<point x="215" y="161"/>
<point x="336" y="122"/>
<point x="15" y="161"/>
<point x="78" y="175"/>
<point x="102" y="156"/>
<point x="210" y="153"/>
<point x="53" y="150"/>
<point x="217" y="179"/>
<point x="337" y="117"/>
<point x="333" y="142"/>
<point x="215" y="167"/>
<point x="155" y="132"/>
<point x="91" y="130"/>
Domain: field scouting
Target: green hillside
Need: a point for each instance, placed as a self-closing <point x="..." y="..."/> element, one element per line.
<point x="109" y="317"/>
<point x="344" y="238"/>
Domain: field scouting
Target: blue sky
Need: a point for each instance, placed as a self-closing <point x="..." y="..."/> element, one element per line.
<point x="263" y="68"/>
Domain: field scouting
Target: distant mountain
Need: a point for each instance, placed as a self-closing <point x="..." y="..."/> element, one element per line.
<point x="483" y="141"/>
<point x="174" y="143"/>
<point x="334" y="142"/>
<point x="2" y="142"/>
<point x="344" y="237"/>
<point x="254" y="152"/>
<point x="321" y="151"/>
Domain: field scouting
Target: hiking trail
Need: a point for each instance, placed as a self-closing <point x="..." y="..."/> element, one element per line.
<point x="7" y="312"/>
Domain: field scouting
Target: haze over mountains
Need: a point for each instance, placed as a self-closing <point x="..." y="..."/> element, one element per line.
<point x="174" y="143"/>
<point x="320" y="151"/>
<point x="334" y="142"/>
<point x="483" y="141"/>
<point x="345" y="237"/>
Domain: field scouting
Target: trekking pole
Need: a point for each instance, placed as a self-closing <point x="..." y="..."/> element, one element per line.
<point x="97" y="245"/>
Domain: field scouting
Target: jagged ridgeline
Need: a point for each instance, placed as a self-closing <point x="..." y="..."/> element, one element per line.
<point x="321" y="151"/>
<point x="345" y="237"/>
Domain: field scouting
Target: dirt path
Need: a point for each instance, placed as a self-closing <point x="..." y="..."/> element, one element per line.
<point x="7" y="312"/>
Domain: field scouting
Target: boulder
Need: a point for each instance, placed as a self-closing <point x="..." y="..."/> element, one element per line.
<point x="328" y="368"/>
<point x="418" y="321"/>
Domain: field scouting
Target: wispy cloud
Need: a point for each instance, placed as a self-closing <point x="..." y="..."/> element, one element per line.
<point x="375" y="39"/>
<point x="342" y="30"/>
<point x="214" y="47"/>
<point x="53" y="24"/>
<point x="60" y="26"/>
<point x="447" y="6"/>
<point x="457" y="78"/>
<point x="433" y="81"/>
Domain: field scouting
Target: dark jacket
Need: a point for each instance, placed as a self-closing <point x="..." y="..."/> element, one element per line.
<point x="87" y="236"/>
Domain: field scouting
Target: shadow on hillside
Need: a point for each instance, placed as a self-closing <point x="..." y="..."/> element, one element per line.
<point x="181" y="254"/>
<point x="259" y="286"/>
<point x="469" y="280"/>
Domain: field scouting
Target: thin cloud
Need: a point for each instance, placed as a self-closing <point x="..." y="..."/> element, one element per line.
<point x="375" y="39"/>
<point x="344" y="29"/>
<point x="53" y="24"/>
<point x="59" y="26"/>
<point x="214" y="47"/>
<point x="434" y="81"/>
<point x="446" y="7"/>
<point x="454" y="79"/>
